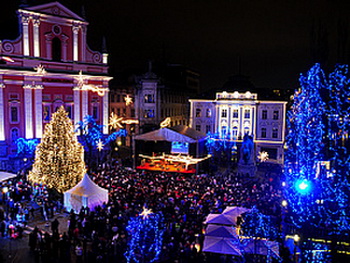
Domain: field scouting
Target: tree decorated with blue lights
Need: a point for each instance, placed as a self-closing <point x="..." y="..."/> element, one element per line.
<point x="338" y="115"/>
<point x="256" y="224"/>
<point x="146" y="237"/>
<point x="318" y="125"/>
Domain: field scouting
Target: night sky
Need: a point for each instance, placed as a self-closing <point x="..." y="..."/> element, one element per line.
<point x="275" y="40"/>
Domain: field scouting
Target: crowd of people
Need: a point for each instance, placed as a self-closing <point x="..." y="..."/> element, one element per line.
<point x="100" y="235"/>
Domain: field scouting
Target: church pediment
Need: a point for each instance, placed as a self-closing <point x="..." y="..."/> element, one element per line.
<point x="56" y="9"/>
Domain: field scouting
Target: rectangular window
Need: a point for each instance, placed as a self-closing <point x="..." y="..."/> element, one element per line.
<point x="275" y="115"/>
<point x="208" y="113"/>
<point x="198" y="112"/>
<point x="264" y="114"/>
<point x="124" y="112"/>
<point x="46" y="113"/>
<point x="118" y="98"/>
<point x="235" y="113"/>
<point x="198" y="127"/>
<point x="207" y="128"/>
<point x="234" y="131"/>
<point x="224" y="113"/>
<point x="149" y="114"/>
<point x="95" y="112"/>
<point x="263" y="132"/>
<point x="149" y="98"/>
<point x="132" y="112"/>
<point x="118" y="112"/>
<point x="14" y="114"/>
<point x="69" y="110"/>
<point x="246" y="114"/>
<point x="274" y="133"/>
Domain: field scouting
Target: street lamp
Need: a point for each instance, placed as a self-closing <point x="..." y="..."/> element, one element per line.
<point x="296" y="240"/>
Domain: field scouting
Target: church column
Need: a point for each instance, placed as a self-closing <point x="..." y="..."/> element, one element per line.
<point x="36" y="24"/>
<point x="84" y="103"/>
<point x="25" y="33"/>
<point x="83" y="42"/>
<point x="38" y="95"/>
<point x="75" y="43"/>
<point x="28" y="111"/>
<point x="76" y="105"/>
<point x="105" y="111"/>
<point x="2" y="115"/>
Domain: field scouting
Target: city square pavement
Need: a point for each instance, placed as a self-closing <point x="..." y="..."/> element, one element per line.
<point x="17" y="250"/>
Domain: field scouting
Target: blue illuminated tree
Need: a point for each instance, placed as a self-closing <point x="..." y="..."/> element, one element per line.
<point x="146" y="237"/>
<point x="337" y="193"/>
<point x="256" y="224"/>
<point x="318" y="132"/>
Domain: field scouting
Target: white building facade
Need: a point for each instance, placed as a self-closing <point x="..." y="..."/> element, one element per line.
<point x="232" y="115"/>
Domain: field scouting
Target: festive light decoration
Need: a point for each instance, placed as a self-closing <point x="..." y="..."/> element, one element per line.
<point x="165" y="123"/>
<point x="26" y="147"/>
<point x="115" y="121"/>
<point x="128" y="100"/>
<point x="317" y="159"/>
<point x="81" y="84"/>
<point x="146" y="237"/>
<point x="263" y="156"/>
<point x="100" y="145"/>
<point x="40" y="69"/>
<point x="59" y="157"/>
<point x="256" y="224"/>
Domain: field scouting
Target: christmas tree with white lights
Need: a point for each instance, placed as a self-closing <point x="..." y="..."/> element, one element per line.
<point x="59" y="157"/>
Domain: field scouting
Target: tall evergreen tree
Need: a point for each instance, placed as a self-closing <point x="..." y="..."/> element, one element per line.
<point x="305" y="145"/>
<point x="59" y="157"/>
<point x="318" y="136"/>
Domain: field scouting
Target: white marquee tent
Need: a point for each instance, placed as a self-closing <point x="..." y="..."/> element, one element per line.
<point x="86" y="193"/>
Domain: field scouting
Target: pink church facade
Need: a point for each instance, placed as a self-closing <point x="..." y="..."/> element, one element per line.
<point x="49" y="65"/>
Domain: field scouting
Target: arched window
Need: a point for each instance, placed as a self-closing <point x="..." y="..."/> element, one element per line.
<point x="56" y="49"/>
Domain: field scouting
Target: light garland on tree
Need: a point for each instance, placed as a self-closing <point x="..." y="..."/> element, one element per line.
<point x="146" y="237"/>
<point x="59" y="157"/>
<point x="318" y="128"/>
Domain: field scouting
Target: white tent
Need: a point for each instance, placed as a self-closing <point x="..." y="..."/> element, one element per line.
<point x="220" y="219"/>
<point x="86" y="193"/>
<point x="221" y="231"/>
<point x="5" y="176"/>
<point x="222" y="245"/>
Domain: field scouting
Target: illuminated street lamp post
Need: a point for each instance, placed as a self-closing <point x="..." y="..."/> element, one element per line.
<point x="296" y="240"/>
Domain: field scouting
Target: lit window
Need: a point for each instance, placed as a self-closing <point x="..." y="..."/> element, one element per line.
<point x="275" y="115"/>
<point x="149" y="114"/>
<point x="264" y="114"/>
<point x="246" y="114"/>
<point x="235" y="114"/>
<point x="149" y="98"/>
<point x="234" y="131"/>
<point x="198" y="112"/>
<point x="224" y="113"/>
<point x="208" y="113"/>
<point x="263" y="132"/>
<point x="274" y="133"/>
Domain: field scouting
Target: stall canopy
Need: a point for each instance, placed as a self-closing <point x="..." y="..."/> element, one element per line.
<point x="5" y="176"/>
<point x="86" y="193"/>
<point x="180" y="133"/>
<point x="164" y="134"/>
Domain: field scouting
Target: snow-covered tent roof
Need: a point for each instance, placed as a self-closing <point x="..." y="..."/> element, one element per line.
<point x="165" y="134"/>
<point x="86" y="187"/>
<point x="86" y="193"/>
